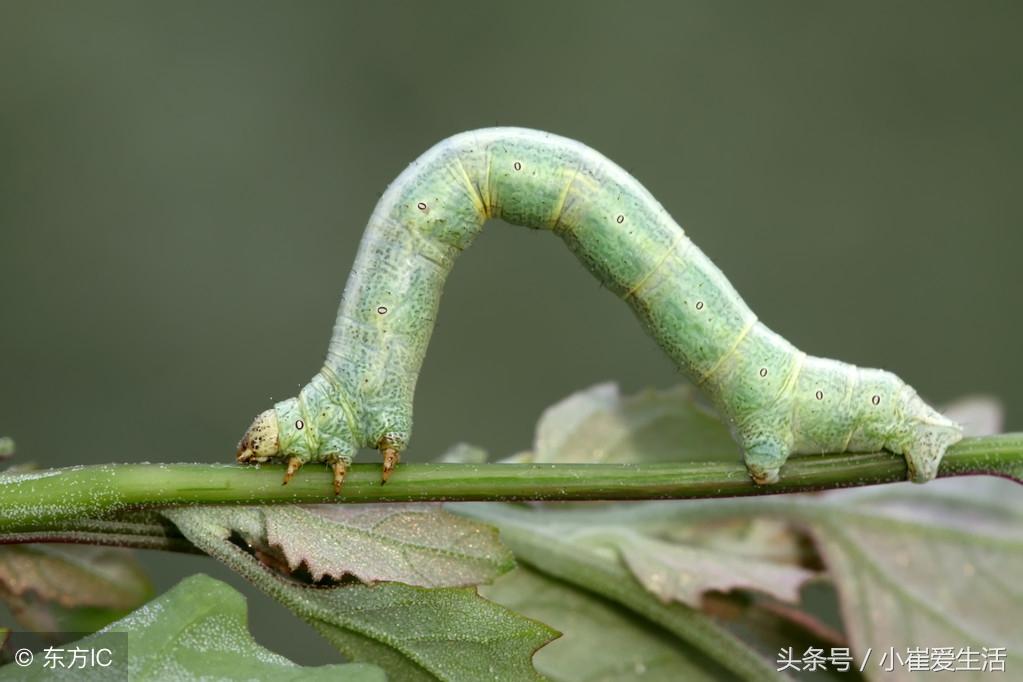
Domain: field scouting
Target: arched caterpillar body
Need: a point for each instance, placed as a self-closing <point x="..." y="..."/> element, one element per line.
<point x="776" y="399"/>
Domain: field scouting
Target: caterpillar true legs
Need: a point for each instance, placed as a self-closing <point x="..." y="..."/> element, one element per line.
<point x="776" y="399"/>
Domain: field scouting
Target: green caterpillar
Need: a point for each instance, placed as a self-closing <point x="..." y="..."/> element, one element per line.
<point x="776" y="399"/>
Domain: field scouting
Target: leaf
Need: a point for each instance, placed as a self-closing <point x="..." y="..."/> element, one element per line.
<point x="566" y="545"/>
<point x="769" y="626"/>
<point x="980" y="415"/>
<point x="413" y="633"/>
<point x="600" y="639"/>
<point x="598" y="425"/>
<point x="684" y="573"/>
<point x="70" y="588"/>
<point x="926" y="566"/>
<point x="464" y="453"/>
<point x="914" y="566"/>
<point x="561" y="421"/>
<point x="194" y="631"/>
<point x="431" y="634"/>
<point x="418" y="544"/>
<point x="757" y="539"/>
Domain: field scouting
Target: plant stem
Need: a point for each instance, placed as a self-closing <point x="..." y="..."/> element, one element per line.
<point x="57" y="498"/>
<point x="131" y="540"/>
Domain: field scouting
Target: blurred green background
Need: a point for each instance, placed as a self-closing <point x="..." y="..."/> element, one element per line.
<point x="183" y="187"/>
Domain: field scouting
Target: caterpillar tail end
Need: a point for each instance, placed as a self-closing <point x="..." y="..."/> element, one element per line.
<point x="764" y="461"/>
<point x="764" y="476"/>
<point x="923" y="438"/>
<point x="933" y="438"/>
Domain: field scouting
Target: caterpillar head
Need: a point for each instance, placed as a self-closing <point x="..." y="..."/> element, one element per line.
<point x="925" y="436"/>
<point x="261" y="441"/>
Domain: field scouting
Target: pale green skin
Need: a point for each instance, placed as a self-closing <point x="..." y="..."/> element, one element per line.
<point x="776" y="400"/>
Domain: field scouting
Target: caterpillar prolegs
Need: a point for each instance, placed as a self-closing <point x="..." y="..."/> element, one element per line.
<point x="776" y="399"/>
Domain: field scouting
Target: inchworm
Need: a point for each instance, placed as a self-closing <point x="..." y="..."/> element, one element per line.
<point x="776" y="399"/>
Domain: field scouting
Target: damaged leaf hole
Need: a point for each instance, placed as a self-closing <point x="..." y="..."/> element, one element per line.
<point x="272" y="559"/>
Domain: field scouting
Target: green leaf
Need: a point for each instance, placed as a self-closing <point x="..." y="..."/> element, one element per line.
<point x="427" y="634"/>
<point x="194" y="631"/>
<point x="926" y="566"/>
<point x="566" y="418"/>
<point x="413" y="633"/>
<point x="914" y="566"/>
<point x="417" y="544"/>
<point x="464" y="453"/>
<point x="757" y="539"/>
<point x="70" y="588"/>
<point x="600" y="640"/>
<point x="584" y="554"/>
<point x="979" y="415"/>
<point x="684" y="573"/>
<point x="599" y="425"/>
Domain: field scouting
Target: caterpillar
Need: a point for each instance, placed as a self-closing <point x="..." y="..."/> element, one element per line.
<point x="776" y="399"/>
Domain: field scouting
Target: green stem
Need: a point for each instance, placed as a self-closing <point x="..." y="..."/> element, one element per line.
<point x="131" y="540"/>
<point x="57" y="498"/>
<point x="140" y="530"/>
